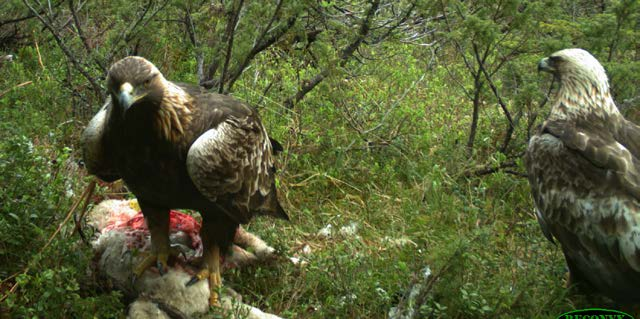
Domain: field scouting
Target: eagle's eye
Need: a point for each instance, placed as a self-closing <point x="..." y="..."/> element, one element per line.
<point x="147" y="82"/>
<point x="555" y="58"/>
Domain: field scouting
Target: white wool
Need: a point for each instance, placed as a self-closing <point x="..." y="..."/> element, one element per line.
<point x="102" y="214"/>
<point x="144" y="309"/>
<point x="171" y="290"/>
<point x="117" y="262"/>
<point x="255" y="313"/>
<point x="239" y="257"/>
<point x="349" y="230"/>
<point x="247" y="239"/>
<point x="326" y="231"/>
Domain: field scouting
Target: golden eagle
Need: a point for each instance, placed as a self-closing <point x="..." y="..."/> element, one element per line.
<point x="176" y="146"/>
<point x="584" y="176"/>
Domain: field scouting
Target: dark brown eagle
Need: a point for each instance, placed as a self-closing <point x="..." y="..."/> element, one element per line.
<point x="176" y="146"/>
<point x="584" y="175"/>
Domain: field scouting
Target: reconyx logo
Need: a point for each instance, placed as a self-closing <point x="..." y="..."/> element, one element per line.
<point x="595" y="313"/>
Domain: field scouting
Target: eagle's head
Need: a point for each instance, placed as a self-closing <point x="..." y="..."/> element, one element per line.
<point x="584" y="85"/>
<point x="134" y="79"/>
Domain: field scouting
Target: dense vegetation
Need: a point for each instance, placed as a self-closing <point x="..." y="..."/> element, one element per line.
<point x="405" y="119"/>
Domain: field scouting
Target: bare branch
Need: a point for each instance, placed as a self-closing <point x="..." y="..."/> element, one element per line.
<point x="503" y="105"/>
<point x="76" y="22"/>
<point x="259" y="47"/>
<point x="264" y="92"/>
<point x="191" y="31"/>
<point x="133" y="29"/>
<point x="15" y="87"/>
<point x="307" y="86"/>
<point x="231" y="27"/>
<point x="27" y="17"/>
<point x="344" y="56"/>
<point x="83" y="38"/>
<point x="396" y="25"/>
<point x="445" y="17"/>
<point x="477" y="85"/>
<point x="395" y="104"/>
<point x="94" y="84"/>
<point x="362" y="33"/>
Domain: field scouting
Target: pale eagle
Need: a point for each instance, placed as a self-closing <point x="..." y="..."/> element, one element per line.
<point x="176" y="146"/>
<point x="584" y="176"/>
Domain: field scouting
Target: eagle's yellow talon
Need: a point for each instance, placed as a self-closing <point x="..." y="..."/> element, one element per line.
<point x="215" y="283"/>
<point x="145" y="263"/>
<point x="210" y="269"/>
<point x="202" y="274"/>
<point x="160" y="260"/>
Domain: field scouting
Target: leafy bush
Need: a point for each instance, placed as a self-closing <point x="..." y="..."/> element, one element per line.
<point x="381" y="142"/>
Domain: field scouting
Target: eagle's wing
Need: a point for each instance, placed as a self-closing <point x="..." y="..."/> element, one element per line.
<point x="585" y="187"/>
<point x="233" y="160"/>
<point x="599" y="146"/>
<point x="628" y="134"/>
<point x="532" y="163"/>
<point x="543" y="226"/>
<point x="97" y="160"/>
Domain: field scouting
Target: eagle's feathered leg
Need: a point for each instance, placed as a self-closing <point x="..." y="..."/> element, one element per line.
<point x="157" y="220"/>
<point x="217" y="233"/>
<point x="575" y="279"/>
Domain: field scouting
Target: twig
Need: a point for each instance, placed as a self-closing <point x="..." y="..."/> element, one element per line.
<point x="129" y="33"/>
<point x="78" y="221"/>
<point x="423" y="285"/>
<point x="96" y="88"/>
<point x="344" y="56"/>
<point x="398" y="23"/>
<point x="15" y="87"/>
<point x="307" y="86"/>
<point x="260" y="46"/>
<point x="264" y="92"/>
<point x="83" y="38"/>
<point x="503" y="105"/>
<point x="486" y="170"/>
<point x="35" y="41"/>
<point x="231" y="27"/>
<point x="27" y="17"/>
<point x="191" y="31"/>
<point x="395" y="104"/>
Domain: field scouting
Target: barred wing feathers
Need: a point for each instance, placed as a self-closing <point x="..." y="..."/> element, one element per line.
<point x="234" y="160"/>
<point x="585" y="186"/>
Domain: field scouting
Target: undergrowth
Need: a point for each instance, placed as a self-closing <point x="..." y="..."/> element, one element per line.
<point x="380" y="151"/>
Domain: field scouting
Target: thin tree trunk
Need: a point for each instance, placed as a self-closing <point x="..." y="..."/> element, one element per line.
<point x="477" y="88"/>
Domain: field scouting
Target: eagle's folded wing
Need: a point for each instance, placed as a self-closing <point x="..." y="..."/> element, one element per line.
<point x="602" y="149"/>
<point x="97" y="160"/>
<point x="628" y="134"/>
<point x="606" y="216"/>
<point x="234" y="158"/>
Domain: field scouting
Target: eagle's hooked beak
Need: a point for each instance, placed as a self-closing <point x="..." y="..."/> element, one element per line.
<point x="544" y="65"/>
<point x="127" y="96"/>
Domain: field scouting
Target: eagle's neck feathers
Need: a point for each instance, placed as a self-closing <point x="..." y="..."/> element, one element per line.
<point x="174" y="113"/>
<point x="582" y="97"/>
